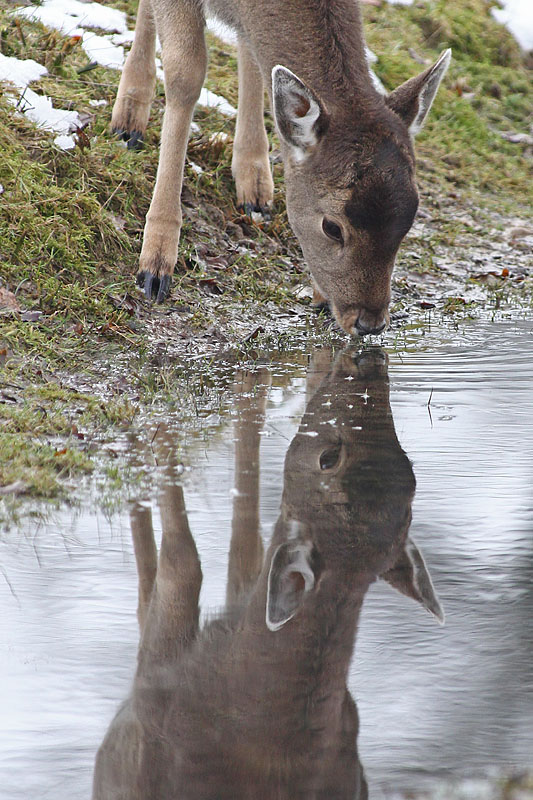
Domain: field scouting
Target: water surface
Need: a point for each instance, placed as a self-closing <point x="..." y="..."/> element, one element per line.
<point x="433" y="701"/>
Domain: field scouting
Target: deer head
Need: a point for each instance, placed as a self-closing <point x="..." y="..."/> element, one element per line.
<point x="351" y="192"/>
<point x="348" y="490"/>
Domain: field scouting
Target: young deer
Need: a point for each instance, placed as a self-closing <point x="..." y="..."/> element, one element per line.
<point x="347" y="150"/>
<point x="255" y="706"/>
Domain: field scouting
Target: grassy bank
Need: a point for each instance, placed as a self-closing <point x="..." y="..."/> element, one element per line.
<point x="71" y="225"/>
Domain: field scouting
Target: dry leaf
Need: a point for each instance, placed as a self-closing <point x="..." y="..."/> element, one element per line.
<point x="8" y="300"/>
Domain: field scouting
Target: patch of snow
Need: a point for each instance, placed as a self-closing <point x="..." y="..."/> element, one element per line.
<point x="68" y="16"/>
<point x="97" y="103"/>
<point x="37" y="107"/>
<point x="210" y="100"/>
<point x="222" y="31"/>
<point x="103" y="51"/>
<point x="122" y="38"/>
<point x="196" y="168"/>
<point x="75" y="18"/>
<point x="64" y="142"/>
<point x="20" y="73"/>
<point x="371" y="57"/>
<point x="517" y="15"/>
<point x="378" y="86"/>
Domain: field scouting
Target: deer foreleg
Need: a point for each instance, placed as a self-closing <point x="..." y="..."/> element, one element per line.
<point x="137" y="84"/>
<point x="171" y="624"/>
<point x="250" y="164"/>
<point x="180" y="26"/>
<point x="145" y="555"/>
<point x="246" y="549"/>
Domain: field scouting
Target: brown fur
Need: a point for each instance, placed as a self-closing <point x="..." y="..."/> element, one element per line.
<point x="358" y="147"/>
<point x="237" y="710"/>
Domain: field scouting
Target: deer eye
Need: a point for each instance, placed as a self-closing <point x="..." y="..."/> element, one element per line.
<point x="332" y="230"/>
<point x="330" y="458"/>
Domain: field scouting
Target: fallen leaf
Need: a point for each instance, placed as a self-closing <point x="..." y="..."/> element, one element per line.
<point x="520" y="233"/>
<point x="60" y="452"/>
<point x="218" y="262"/>
<point x="18" y="487"/>
<point x="75" y="432"/>
<point x="81" y="139"/>
<point x="31" y="316"/>
<point x="210" y="285"/>
<point x="254" y="334"/>
<point x="8" y="300"/>
<point x="517" y="138"/>
<point x="418" y="58"/>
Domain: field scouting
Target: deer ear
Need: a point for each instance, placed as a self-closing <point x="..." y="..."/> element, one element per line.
<point x="413" y="99"/>
<point x="411" y="577"/>
<point x="299" y="114"/>
<point x="289" y="579"/>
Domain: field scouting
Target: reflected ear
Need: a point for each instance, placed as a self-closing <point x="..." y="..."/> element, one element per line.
<point x="299" y="114"/>
<point x="413" y="99"/>
<point x="289" y="579"/>
<point x="411" y="577"/>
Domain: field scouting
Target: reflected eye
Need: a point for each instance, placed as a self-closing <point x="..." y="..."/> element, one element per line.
<point x="332" y="230"/>
<point x="330" y="458"/>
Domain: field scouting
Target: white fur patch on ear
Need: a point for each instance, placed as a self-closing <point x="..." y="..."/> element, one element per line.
<point x="411" y="577"/>
<point x="422" y="581"/>
<point x="429" y="90"/>
<point x="297" y="111"/>
<point x="290" y="577"/>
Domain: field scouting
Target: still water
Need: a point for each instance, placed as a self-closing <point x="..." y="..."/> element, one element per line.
<point x="326" y="456"/>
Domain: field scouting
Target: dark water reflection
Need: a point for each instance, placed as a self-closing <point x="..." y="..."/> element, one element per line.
<point x="256" y="705"/>
<point x="265" y="699"/>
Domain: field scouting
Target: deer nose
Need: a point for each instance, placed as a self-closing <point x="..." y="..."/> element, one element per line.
<point x="367" y="324"/>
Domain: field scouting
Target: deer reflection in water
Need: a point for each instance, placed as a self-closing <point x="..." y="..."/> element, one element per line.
<point x="255" y="705"/>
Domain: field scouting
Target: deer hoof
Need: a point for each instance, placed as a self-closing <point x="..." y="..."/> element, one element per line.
<point x="154" y="287"/>
<point x="134" y="139"/>
<point x="256" y="208"/>
<point x="322" y="307"/>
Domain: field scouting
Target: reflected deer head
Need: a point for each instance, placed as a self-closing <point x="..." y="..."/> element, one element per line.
<point x="348" y="488"/>
<point x="256" y="705"/>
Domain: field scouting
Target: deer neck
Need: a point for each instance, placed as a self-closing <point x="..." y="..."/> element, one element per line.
<point x="321" y="42"/>
<point x="301" y="669"/>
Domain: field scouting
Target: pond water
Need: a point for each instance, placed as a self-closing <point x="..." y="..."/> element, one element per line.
<point x="433" y="701"/>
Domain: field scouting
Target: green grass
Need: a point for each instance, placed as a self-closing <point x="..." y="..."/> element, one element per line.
<point x="487" y="90"/>
<point x="71" y="226"/>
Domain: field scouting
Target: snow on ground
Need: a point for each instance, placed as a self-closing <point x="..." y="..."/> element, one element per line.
<point x="20" y="73"/>
<point x="74" y="18"/>
<point x="37" y="107"/>
<point x="212" y="100"/>
<point x="517" y="15"/>
<point x="102" y="50"/>
<point x="225" y="34"/>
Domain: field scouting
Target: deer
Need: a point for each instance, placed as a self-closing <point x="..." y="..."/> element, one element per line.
<point x="347" y="149"/>
<point x="255" y="704"/>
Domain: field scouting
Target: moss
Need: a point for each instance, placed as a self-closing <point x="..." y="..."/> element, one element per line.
<point x="486" y="91"/>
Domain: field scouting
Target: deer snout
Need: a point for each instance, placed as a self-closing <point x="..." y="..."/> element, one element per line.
<point x="361" y="320"/>
<point x="369" y="322"/>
